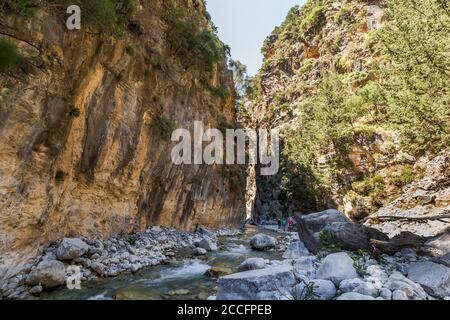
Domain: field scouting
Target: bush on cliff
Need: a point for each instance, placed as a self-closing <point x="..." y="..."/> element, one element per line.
<point x="9" y="57"/>
<point x="192" y="40"/>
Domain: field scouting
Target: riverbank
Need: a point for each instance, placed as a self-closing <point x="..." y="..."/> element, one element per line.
<point x="107" y="258"/>
<point x="258" y="262"/>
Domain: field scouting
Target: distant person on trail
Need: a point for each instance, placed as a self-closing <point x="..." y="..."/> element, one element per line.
<point x="283" y="224"/>
<point x="290" y="222"/>
<point x="279" y="224"/>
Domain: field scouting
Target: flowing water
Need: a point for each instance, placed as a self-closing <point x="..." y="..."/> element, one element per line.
<point x="178" y="280"/>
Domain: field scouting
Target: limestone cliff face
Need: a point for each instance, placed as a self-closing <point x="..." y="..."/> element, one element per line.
<point x="85" y="125"/>
<point x="319" y="39"/>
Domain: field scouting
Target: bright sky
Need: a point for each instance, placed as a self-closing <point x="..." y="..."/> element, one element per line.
<point x="244" y="24"/>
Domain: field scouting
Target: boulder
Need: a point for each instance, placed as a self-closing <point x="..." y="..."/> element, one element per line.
<point x="208" y="245"/>
<point x="304" y="268"/>
<point x="48" y="273"/>
<point x="100" y="269"/>
<point x="433" y="277"/>
<point x="252" y="264"/>
<point x="440" y="243"/>
<point x="353" y="236"/>
<point x="200" y="251"/>
<point x="399" y="295"/>
<point x="386" y="294"/>
<point x="265" y="284"/>
<point x="398" y="281"/>
<point x="71" y="248"/>
<point x="216" y="272"/>
<point x="204" y="232"/>
<point x="359" y="286"/>
<point x="133" y="294"/>
<point x="376" y="276"/>
<point x="444" y="260"/>
<point x="316" y="289"/>
<point x="316" y="222"/>
<point x="36" y="290"/>
<point x="354" y="296"/>
<point x="337" y="267"/>
<point x="295" y="250"/>
<point x="262" y="241"/>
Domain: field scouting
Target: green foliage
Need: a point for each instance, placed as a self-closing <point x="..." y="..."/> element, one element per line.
<point x="164" y="127"/>
<point x="344" y="16"/>
<point x="326" y="242"/>
<point x="307" y="66"/>
<point x="417" y="43"/>
<point x="406" y="88"/>
<point x="359" y="267"/>
<point x="74" y="112"/>
<point x="195" y="44"/>
<point x="369" y="185"/>
<point x="220" y="91"/>
<point x="9" y="57"/>
<point x="240" y="77"/>
<point x="131" y="239"/>
<point x="101" y="13"/>
<point x="405" y="177"/>
<point x="373" y="187"/>
<point x="308" y="292"/>
<point x="21" y="7"/>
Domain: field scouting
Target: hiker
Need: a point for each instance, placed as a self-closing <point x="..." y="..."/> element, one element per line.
<point x="279" y="224"/>
<point x="290" y="222"/>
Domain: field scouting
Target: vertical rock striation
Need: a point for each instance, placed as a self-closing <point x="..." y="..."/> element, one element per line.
<point x="86" y="123"/>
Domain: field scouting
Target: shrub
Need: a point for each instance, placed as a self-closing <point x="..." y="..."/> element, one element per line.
<point x="109" y="15"/>
<point x="98" y="12"/>
<point x="9" y="57"/>
<point x="405" y="177"/>
<point x="326" y="242"/>
<point x="21" y="7"/>
<point x="218" y="91"/>
<point x="74" y="112"/>
<point x="369" y="185"/>
<point x="193" y="43"/>
<point x="164" y="126"/>
<point x="344" y="16"/>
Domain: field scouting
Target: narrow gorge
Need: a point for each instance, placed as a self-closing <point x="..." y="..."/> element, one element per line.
<point x="358" y="89"/>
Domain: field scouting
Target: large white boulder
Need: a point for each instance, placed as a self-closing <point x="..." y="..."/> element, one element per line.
<point x="337" y="267"/>
<point x="295" y="250"/>
<point x="262" y="241"/>
<point x="252" y="264"/>
<point x="359" y="286"/>
<point x="208" y="245"/>
<point x="376" y="276"/>
<point x="398" y="281"/>
<point x="354" y="296"/>
<point x="304" y="268"/>
<point x="265" y="284"/>
<point x="433" y="277"/>
<point x="316" y="289"/>
<point x="71" y="248"/>
<point x="48" y="273"/>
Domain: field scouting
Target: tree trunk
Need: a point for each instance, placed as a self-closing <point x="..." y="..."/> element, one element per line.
<point x="399" y="242"/>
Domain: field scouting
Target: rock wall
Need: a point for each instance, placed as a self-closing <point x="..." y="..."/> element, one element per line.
<point x="330" y="37"/>
<point x="86" y="124"/>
